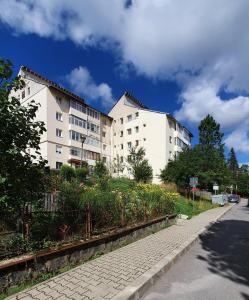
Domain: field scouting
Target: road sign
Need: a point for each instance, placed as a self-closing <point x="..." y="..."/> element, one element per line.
<point x="194" y="189"/>
<point x="193" y="181"/>
<point x="215" y="187"/>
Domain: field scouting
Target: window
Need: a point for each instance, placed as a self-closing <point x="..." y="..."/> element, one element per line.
<point x="170" y="139"/>
<point x="58" y="99"/>
<point x="121" y="159"/>
<point x="121" y="133"/>
<point x="136" y="114"/>
<point x="114" y="133"/>
<point x="58" y="149"/>
<point x="137" y="143"/>
<point x="170" y="154"/>
<point x="104" y="159"/>
<point x="78" y="106"/>
<point x="59" y="116"/>
<point x="58" y="165"/>
<point x="103" y="133"/>
<point x="129" y="131"/>
<point x="121" y="120"/>
<point x="28" y="90"/>
<point x="144" y="139"/>
<point x="129" y="118"/>
<point x="129" y="145"/>
<point x="92" y="113"/>
<point x="23" y="94"/>
<point x="76" y="136"/>
<point x="121" y="146"/>
<point x="59" y="132"/>
<point x="104" y="147"/>
<point x="144" y="125"/>
<point x="136" y="129"/>
<point x="77" y="121"/>
<point x="75" y="151"/>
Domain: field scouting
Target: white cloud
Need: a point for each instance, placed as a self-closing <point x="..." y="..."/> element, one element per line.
<point x="204" y="45"/>
<point x="82" y="83"/>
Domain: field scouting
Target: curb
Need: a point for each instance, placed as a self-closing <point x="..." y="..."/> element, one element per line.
<point x="136" y="290"/>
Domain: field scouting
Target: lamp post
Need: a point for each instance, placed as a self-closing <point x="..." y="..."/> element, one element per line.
<point x="82" y="139"/>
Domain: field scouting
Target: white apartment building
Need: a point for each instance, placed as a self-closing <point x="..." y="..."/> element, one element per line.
<point x="68" y="118"/>
<point x="134" y="125"/>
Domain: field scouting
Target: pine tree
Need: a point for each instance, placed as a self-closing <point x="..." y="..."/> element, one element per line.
<point x="209" y="133"/>
<point x="232" y="162"/>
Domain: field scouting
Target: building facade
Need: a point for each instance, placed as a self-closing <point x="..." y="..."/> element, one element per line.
<point x="159" y="133"/>
<point x="68" y="118"/>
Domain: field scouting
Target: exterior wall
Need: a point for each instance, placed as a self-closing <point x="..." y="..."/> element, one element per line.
<point x="53" y="101"/>
<point x="107" y="137"/>
<point x="156" y="132"/>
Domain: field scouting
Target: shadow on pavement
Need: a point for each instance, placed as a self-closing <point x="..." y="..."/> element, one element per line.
<point x="227" y="244"/>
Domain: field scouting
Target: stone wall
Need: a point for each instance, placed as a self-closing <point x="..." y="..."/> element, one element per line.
<point x="30" y="267"/>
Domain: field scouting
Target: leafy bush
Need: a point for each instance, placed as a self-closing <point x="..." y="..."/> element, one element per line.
<point x="67" y="172"/>
<point x="81" y="174"/>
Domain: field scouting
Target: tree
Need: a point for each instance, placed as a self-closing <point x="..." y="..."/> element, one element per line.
<point x="100" y="170"/>
<point x="81" y="173"/>
<point x="206" y="160"/>
<point x="232" y="163"/>
<point x="209" y="133"/>
<point x="141" y="170"/>
<point x="21" y="172"/>
<point x="67" y="172"/>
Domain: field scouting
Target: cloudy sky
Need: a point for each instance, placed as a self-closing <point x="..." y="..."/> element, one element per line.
<point x="189" y="58"/>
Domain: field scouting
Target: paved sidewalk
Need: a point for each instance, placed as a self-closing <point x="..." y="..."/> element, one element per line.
<point x="108" y="275"/>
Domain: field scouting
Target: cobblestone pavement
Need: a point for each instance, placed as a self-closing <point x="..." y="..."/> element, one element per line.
<point x="106" y="276"/>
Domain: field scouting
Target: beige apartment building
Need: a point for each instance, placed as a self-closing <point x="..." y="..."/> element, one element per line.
<point x="68" y="118"/>
<point x="159" y="133"/>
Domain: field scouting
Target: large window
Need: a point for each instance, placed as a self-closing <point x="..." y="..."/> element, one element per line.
<point x="59" y="116"/>
<point x="58" y="149"/>
<point x="76" y="136"/>
<point x="83" y="123"/>
<point x="78" y="106"/>
<point x="86" y="153"/>
<point x="58" y="165"/>
<point x="58" y="132"/>
<point x="129" y="118"/>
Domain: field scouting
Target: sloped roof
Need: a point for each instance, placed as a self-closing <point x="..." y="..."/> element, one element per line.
<point x="132" y="98"/>
<point x="56" y="86"/>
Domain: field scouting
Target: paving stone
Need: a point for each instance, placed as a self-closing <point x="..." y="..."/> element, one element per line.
<point x="106" y="276"/>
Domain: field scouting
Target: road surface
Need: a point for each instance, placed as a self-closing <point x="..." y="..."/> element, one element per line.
<point x="217" y="267"/>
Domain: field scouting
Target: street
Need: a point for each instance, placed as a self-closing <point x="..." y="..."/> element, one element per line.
<point x="217" y="267"/>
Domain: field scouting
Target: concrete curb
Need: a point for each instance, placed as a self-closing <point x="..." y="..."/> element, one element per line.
<point x="136" y="290"/>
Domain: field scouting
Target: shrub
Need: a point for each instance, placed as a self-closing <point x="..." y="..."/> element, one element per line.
<point x="81" y="173"/>
<point x="67" y="172"/>
<point x="100" y="169"/>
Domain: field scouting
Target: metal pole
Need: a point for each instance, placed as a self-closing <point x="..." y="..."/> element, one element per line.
<point x="81" y="157"/>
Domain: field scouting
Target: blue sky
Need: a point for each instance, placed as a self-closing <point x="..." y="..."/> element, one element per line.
<point x="188" y="60"/>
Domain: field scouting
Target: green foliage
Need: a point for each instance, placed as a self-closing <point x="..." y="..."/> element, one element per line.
<point x="81" y="174"/>
<point x="21" y="178"/>
<point x="100" y="169"/>
<point x="206" y="160"/>
<point x="209" y="133"/>
<point x="190" y="208"/>
<point x="141" y="170"/>
<point x="67" y="172"/>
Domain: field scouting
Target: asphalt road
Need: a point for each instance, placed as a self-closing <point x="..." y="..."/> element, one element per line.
<point x="217" y="267"/>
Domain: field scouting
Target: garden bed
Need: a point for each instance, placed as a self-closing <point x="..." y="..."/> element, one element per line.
<point x="30" y="266"/>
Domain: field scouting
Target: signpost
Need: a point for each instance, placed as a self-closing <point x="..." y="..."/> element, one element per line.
<point x="215" y="188"/>
<point x="193" y="182"/>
